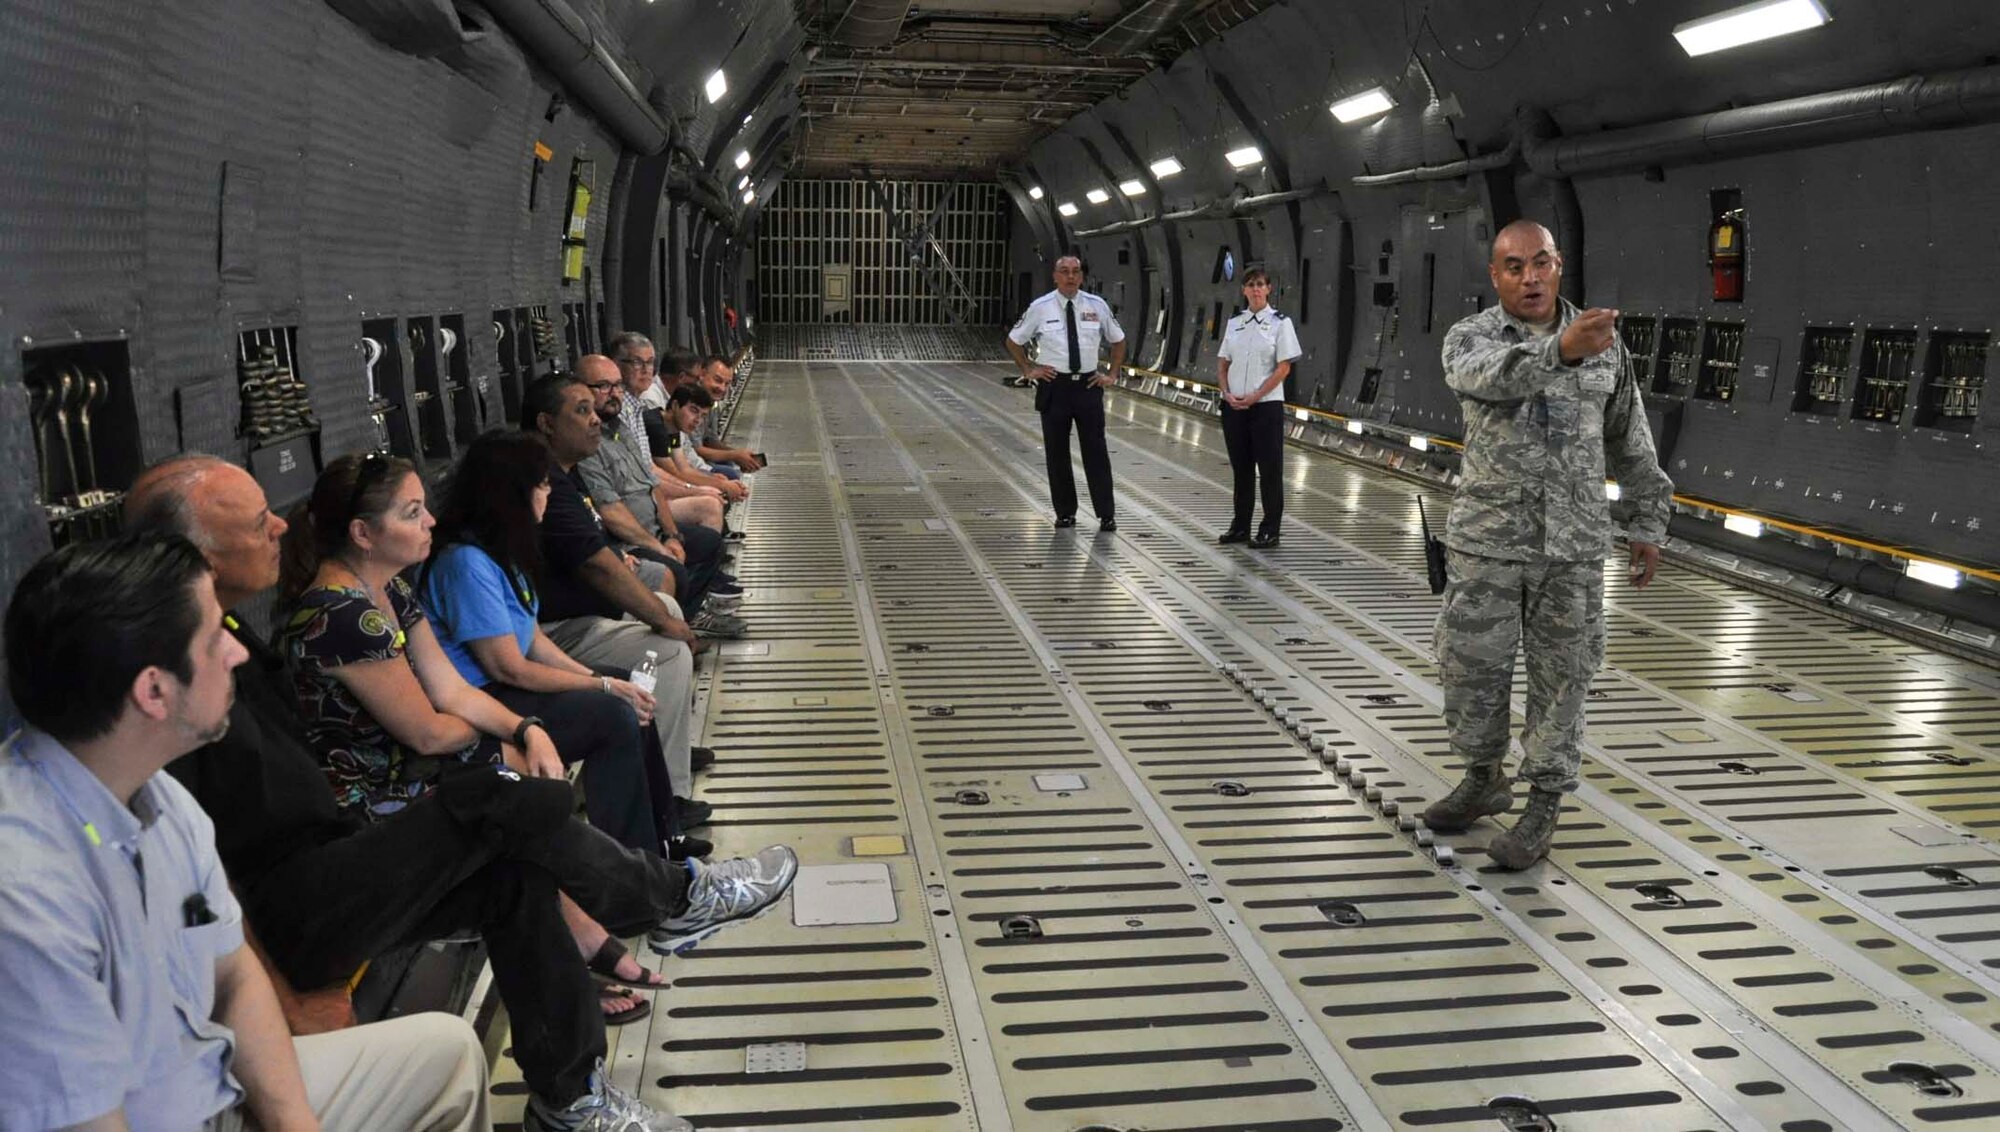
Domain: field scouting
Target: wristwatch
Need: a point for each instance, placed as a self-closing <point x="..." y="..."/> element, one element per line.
<point x="521" y="732"/>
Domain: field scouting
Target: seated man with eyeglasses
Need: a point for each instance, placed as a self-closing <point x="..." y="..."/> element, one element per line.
<point x="631" y="500"/>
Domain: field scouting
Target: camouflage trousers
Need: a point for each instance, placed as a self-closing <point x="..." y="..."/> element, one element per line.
<point x="1490" y="605"/>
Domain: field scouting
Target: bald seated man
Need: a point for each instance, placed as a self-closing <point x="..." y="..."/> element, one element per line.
<point x="1550" y="408"/>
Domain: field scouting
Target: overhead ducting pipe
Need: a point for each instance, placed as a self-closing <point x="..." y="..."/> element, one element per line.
<point x="1139" y="27"/>
<point x="1446" y="172"/>
<point x="702" y="192"/>
<point x="871" y="23"/>
<point x="1224" y="209"/>
<point x="1916" y="103"/>
<point x="560" y="40"/>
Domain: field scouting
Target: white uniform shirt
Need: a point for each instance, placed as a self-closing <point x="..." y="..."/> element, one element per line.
<point x="1043" y="324"/>
<point x="1254" y="345"/>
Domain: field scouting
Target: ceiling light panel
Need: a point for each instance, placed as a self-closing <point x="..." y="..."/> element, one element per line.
<point x="1097" y="196"/>
<point x="1035" y="192"/>
<point x="717" y="86"/>
<point x="1751" y="23"/>
<point x="1165" y="167"/>
<point x="1066" y="208"/>
<point x="1132" y="188"/>
<point x="1246" y="157"/>
<point x="742" y="159"/>
<point x="1367" y="104"/>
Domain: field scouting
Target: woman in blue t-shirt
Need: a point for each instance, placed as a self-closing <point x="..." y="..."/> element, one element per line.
<point x="479" y="588"/>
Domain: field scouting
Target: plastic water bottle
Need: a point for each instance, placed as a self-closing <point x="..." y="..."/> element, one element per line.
<point x="643" y="677"/>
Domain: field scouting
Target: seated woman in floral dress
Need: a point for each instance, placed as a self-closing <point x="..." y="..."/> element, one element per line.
<point x="384" y="709"/>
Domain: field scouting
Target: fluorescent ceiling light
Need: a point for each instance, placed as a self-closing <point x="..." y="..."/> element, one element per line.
<point x="1743" y="525"/>
<point x="1354" y="427"/>
<point x="1034" y="192"/>
<point x="1933" y="573"/>
<point x="1613" y="491"/>
<point x="747" y="117"/>
<point x="749" y="195"/>
<point x="1766" y="19"/>
<point x="1367" y="104"/>
<point x="1246" y="157"/>
<point x="1132" y="188"/>
<point x="1165" y="167"/>
<point x="1097" y="196"/>
<point x="1421" y="443"/>
<point x="717" y="86"/>
<point x="742" y="159"/>
<point x="1066" y="208"/>
<point x="743" y="182"/>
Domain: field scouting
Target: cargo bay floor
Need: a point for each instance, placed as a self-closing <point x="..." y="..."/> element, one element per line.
<point x="1146" y="807"/>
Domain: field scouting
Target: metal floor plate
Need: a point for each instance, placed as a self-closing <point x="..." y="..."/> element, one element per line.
<point x="1159" y="866"/>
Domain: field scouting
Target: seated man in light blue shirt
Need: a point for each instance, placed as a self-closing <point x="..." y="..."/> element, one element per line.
<point x="130" y="999"/>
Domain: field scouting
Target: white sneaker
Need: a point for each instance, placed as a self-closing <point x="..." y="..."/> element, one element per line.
<point x="715" y="623"/>
<point x="724" y="892"/>
<point x="605" y="1108"/>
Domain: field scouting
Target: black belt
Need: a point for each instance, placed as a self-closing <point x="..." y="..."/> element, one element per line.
<point x="1077" y="376"/>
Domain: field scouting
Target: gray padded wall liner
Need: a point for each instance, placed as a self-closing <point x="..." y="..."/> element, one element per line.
<point x="117" y="118"/>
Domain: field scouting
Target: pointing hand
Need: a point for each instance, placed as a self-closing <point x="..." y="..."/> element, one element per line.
<point x="1589" y="334"/>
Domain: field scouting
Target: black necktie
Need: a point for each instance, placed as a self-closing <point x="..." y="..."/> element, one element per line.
<point x="1075" y="347"/>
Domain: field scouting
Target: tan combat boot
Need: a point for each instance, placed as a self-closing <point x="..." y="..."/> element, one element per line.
<point x="1483" y="791"/>
<point x="1528" y="841"/>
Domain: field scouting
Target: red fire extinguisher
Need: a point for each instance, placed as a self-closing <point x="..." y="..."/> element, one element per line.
<point x="1725" y="257"/>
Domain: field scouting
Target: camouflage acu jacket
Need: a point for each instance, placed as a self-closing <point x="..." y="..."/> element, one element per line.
<point x="1539" y="439"/>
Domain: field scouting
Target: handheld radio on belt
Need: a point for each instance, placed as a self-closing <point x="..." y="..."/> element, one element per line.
<point x="1433" y="551"/>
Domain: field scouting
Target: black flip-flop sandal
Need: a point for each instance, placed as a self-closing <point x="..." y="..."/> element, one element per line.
<point x="604" y="965"/>
<point x="609" y="991"/>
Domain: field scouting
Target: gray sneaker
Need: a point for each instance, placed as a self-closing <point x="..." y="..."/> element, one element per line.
<point x="723" y="892"/>
<point x="715" y="623"/>
<point x="605" y="1108"/>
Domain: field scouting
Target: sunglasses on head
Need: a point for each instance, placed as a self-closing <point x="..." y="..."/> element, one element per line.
<point x="373" y="470"/>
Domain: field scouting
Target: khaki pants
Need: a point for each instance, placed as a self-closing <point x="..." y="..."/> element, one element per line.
<point x="424" y="1073"/>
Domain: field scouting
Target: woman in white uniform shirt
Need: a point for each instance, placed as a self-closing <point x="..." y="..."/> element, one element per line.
<point x="1250" y="368"/>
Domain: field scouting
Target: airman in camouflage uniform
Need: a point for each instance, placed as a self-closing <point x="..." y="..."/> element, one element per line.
<point x="1550" y="406"/>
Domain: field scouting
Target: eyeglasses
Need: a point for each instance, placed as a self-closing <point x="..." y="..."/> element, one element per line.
<point x="600" y="386"/>
<point x="374" y="468"/>
<point x="640" y="363"/>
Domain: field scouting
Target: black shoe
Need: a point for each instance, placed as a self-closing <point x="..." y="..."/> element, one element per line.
<point x="733" y="535"/>
<point x="682" y="847"/>
<point x="1234" y="535"/>
<point x="1066" y="521"/>
<point x="1108" y="525"/>
<point x="701" y="758"/>
<point x="689" y="814"/>
<point x="1264" y="540"/>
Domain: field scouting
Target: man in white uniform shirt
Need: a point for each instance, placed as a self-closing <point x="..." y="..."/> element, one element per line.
<point x="1067" y="325"/>
<point x="1251" y="367"/>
